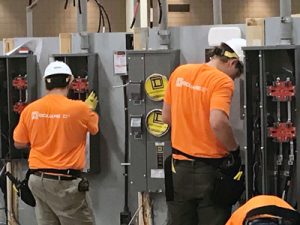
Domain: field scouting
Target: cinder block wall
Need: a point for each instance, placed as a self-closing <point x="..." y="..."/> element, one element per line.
<point x="233" y="11"/>
<point x="54" y="16"/>
<point x="12" y="18"/>
<point x="50" y="18"/>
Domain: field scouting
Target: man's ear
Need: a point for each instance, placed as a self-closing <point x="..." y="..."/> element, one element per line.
<point x="70" y="79"/>
<point x="233" y="62"/>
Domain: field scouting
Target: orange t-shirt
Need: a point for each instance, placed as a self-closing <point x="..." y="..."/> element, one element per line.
<point x="193" y="90"/>
<point x="56" y="128"/>
<point x="238" y="217"/>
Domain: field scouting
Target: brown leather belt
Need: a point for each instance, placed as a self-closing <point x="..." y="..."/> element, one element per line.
<point x="53" y="176"/>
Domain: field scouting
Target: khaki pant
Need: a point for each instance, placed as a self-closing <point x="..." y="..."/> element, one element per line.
<point x="58" y="202"/>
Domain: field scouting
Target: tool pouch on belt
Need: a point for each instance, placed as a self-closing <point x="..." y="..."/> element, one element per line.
<point x="230" y="181"/>
<point x="227" y="190"/>
<point x="22" y="188"/>
<point x="83" y="185"/>
<point x="26" y="194"/>
<point x="169" y="189"/>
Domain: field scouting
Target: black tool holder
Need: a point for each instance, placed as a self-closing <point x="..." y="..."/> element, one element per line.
<point x="272" y="96"/>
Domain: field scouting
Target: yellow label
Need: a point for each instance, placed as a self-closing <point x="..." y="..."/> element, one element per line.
<point x="154" y="123"/>
<point x="155" y="86"/>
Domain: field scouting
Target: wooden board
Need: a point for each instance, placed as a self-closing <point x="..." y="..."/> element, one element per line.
<point x="255" y="31"/>
<point x="65" y="43"/>
<point x="8" y="45"/>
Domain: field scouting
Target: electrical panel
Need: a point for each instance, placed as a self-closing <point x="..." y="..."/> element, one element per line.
<point x="272" y="100"/>
<point x="85" y="70"/>
<point x="149" y="137"/>
<point x="18" y="88"/>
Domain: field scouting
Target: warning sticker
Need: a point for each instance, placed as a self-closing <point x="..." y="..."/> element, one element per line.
<point x="155" y="86"/>
<point x="154" y="123"/>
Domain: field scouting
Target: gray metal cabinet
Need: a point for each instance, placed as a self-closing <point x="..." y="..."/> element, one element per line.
<point x="18" y="88"/>
<point x="84" y="67"/>
<point x="147" y="151"/>
<point x="272" y="100"/>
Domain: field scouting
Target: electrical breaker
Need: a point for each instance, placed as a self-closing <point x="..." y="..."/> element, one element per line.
<point x="272" y="94"/>
<point x="18" y="88"/>
<point x="85" y="71"/>
<point x="149" y="137"/>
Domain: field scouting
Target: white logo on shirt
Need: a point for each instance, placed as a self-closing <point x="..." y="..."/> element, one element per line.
<point x="37" y="115"/>
<point x="181" y="82"/>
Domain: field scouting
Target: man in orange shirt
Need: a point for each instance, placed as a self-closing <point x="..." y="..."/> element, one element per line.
<point x="55" y="129"/>
<point x="196" y="105"/>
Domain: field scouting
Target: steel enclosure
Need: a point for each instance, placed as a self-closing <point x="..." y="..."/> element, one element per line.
<point x="269" y="156"/>
<point x="10" y="68"/>
<point x="144" y="169"/>
<point x="85" y="65"/>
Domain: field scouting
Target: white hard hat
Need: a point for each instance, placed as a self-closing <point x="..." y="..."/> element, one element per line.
<point x="236" y="45"/>
<point x="57" y="67"/>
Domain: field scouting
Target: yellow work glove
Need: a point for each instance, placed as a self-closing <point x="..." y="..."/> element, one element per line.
<point x="92" y="101"/>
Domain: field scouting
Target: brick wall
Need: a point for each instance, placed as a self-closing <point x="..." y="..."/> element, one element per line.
<point x="50" y="18"/>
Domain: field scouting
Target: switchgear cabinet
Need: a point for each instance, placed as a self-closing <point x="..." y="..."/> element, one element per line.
<point x="84" y="67"/>
<point x="272" y="121"/>
<point x="18" y="88"/>
<point x="149" y="137"/>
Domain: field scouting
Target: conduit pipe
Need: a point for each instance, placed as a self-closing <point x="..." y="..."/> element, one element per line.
<point x="29" y="19"/>
<point x="163" y="32"/>
<point x="217" y="11"/>
<point x="82" y="24"/>
<point x="286" y="25"/>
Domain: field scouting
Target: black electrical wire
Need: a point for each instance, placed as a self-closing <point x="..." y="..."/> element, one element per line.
<point x="99" y="24"/>
<point x="107" y="18"/>
<point x="74" y="3"/>
<point x="79" y="6"/>
<point x="30" y="2"/>
<point x="287" y="183"/>
<point x="160" y="12"/>
<point x="151" y="13"/>
<point x="136" y="7"/>
<point x="101" y="17"/>
<point x="103" y="20"/>
<point x="66" y="4"/>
